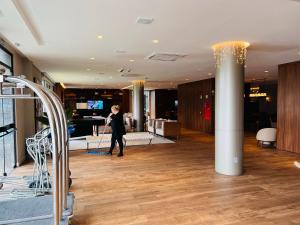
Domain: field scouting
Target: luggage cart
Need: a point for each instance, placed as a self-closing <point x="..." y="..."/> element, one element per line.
<point x="32" y="210"/>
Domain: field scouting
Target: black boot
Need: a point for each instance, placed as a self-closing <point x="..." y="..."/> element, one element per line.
<point x="120" y="154"/>
<point x="109" y="152"/>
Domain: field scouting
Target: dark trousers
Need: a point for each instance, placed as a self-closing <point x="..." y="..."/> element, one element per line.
<point x="119" y="139"/>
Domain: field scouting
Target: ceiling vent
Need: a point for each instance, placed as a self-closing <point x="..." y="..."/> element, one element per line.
<point x="144" y="20"/>
<point x="166" y="57"/>
<point x="132" y="75"/>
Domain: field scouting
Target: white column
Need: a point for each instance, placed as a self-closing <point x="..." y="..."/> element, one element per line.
<point x="138" y="104"/>
<point x="229" y="107"/>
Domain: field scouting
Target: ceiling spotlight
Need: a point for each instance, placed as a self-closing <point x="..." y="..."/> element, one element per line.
<point x="131" y="60"/>
<point x="92" y="58"/>
<point x="100" y="37"/>
<point x="266" y="71"/>
<point x="155" y="41"/>
<point x="88" y="69"/>
<point x="187" y="79"/>
<point x="209" y="74"/>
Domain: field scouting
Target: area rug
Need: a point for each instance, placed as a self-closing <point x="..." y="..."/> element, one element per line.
<point x="80" y="143"/>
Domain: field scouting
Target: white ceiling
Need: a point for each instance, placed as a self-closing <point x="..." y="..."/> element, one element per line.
<point x="60" y="37"/>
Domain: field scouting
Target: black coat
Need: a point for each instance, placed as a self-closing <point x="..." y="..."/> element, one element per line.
<point x="117" y="124"/>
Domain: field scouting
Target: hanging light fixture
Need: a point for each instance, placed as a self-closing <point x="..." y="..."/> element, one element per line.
<point x="236" y="48"/>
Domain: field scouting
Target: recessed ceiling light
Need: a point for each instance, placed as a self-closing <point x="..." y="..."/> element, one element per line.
<point x="187" y="79"/>
<point x="100" y="37"/>
<point x="131" y="60"/>
<point x="88" y="69"/>
<point x="266" y="71"/>
<point x="209" y="74"/>
<point x="92" y="58"/>
<point x="110" y="77"/>
<point x="155" y="41"/>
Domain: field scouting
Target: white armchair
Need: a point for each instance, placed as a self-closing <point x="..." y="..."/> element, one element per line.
<point x="266" y="136"/>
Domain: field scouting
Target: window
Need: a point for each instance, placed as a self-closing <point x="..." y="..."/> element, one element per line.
<point x="7" y="117"/>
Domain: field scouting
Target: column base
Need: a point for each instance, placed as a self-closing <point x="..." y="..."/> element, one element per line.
<point x="229" y="152"/>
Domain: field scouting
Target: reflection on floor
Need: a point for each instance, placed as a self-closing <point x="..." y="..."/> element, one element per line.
<point x="176" y="184"/>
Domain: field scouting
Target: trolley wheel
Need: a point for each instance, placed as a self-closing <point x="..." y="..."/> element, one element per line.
<point x="70" y="182"/>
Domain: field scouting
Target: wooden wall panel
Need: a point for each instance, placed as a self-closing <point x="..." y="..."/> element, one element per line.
<point x="298" y="108"/>
<point x="288" y="114"/>
<point x="126" y="101"/>
<point x="191" y="105"/>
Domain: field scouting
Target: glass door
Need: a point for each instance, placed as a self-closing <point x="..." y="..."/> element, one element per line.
<point x="7" y="117"/>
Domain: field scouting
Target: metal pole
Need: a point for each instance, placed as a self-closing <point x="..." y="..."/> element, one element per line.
<point x="64" y="151"/>
<point x="61" y="140"/>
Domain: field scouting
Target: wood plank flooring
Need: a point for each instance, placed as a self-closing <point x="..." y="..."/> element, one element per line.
<point x="170" y="184"/>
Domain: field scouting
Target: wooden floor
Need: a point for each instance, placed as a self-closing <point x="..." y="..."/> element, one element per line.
<point x="176" y="184"/>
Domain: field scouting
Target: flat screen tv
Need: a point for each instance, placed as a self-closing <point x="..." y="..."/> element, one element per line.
<point x="95" y="104"/>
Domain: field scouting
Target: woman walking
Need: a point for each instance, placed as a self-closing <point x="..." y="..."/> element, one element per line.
<point x="118" y="129"/>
